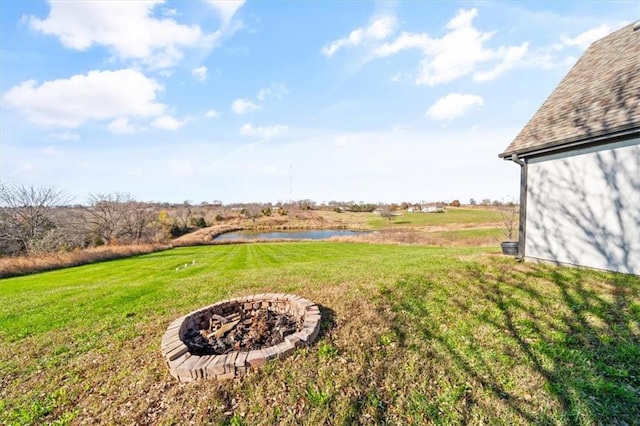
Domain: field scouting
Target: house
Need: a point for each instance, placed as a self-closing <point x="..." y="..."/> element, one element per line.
<point x="579" y="157"/>
<point x="432" y="209"/>
<point x="426" y="208"/>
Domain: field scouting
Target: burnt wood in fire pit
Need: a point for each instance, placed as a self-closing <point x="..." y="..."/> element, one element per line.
<point x="242" y="330"/>
<point x="225" y="339"/>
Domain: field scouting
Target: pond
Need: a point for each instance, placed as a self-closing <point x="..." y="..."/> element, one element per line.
<point x="315" y="234"/>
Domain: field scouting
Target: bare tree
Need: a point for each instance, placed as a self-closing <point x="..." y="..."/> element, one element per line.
<point x="25" y="216"/>
<point x="252" y="211"/>
<point x="509" y="214"/>
<point x="387" y="213"/>
<point x="183" y="215"/>
<point x="138" y="217"/>
<point x="71" y="230"/>
<point x="112" y="217"/>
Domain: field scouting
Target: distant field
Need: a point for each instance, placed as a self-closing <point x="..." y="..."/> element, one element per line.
<point x="475" y="216"/>
<point x="457" y="226"/>
<point x="479" y="216"/>
<point x="410" y="335"/>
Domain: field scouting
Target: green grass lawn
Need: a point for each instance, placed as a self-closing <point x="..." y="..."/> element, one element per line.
<point x="477" y="216"/>
<point x="410" y="335"/>
<point x="463" y="234"/>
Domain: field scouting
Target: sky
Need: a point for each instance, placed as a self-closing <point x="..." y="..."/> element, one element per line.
<point x="271" y="101"/>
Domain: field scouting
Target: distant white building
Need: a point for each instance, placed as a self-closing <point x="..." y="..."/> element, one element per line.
<point x="425" y="209"/>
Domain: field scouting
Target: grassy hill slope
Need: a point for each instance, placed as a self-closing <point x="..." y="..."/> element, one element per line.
<point x="410" y="335"/>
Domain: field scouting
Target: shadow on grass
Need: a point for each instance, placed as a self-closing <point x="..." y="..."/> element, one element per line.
<point x="546" y="345"/>
<point x="327" y="321"/>
<point x="365" y="398"/>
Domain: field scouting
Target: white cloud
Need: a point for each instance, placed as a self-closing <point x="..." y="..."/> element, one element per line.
<point x="584" y="39"/>
<point x="121" y="126"/>
<point x="379" y="29"/>
<point x="212" y="113"/>
<point x="510" y="56"/>
<point x="276" y="90"/>
<point x="453" y="105"/>
<point x="403" y="42"/>
<point x="226" y="9"/>
<point x="97" y="95"/>
<point x="264" y="132"/>
<point x="200" y="73"/>
<point x="401" y="77"/>
<point x="166" y="122"/>
<point x="126" y="28"/>
<point x="243" y="106"/>
<point x="165" y="73"/>
<point x="169" y="12"/>
<point x="461" y="51"/>
<point x="65" y="136"/>
<point x="263" y="93"/>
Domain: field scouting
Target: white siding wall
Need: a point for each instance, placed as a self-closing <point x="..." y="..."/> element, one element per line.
<point x="584" y="208"/>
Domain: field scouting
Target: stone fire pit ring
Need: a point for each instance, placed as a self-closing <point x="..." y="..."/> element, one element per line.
<point x="187" y="367"/>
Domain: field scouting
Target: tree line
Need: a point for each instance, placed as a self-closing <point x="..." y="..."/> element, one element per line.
<point x="35" y="220"/>
<point x="40" y="220"/>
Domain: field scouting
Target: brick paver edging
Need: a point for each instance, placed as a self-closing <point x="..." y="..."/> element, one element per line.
<point x="187" y="367"/>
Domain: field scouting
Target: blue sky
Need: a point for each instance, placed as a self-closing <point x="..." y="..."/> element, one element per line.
<point x="276" y="100"/>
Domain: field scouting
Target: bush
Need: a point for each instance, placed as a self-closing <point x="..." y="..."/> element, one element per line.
<point x="455" y="203"/>
<point x="199" y="222"/>
<point x="362" y="208"/>
<point x="177" y="230"/>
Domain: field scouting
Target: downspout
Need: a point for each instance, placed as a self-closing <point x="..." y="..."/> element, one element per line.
<point x="522" y="225"/>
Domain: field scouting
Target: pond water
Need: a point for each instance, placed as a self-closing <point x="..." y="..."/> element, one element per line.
<point x="317" y="234"/>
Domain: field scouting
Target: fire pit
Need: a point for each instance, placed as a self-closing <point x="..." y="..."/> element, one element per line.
<point x="225" y="339"/>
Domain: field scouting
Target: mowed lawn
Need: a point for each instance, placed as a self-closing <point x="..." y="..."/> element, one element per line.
<point x="410" y="335"/>
<point x="476" y="216"/>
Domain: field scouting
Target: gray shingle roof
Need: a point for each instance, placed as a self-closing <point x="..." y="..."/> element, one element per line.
<point x="599" y="96"/>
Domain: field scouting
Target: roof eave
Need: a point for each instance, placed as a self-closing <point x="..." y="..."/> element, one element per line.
<point x="575" y="142"/>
